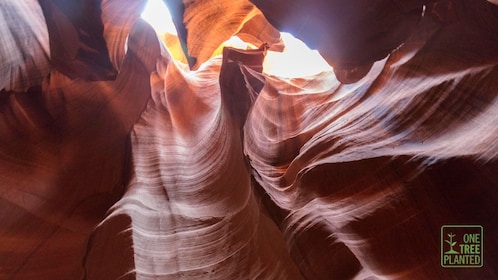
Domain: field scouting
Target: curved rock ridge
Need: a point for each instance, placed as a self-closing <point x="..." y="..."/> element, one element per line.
<point x="118" y="162"/>
<point x="376" y="166"/>
<point x="225" y="19"/>
<point x="118" y="18"/>
<point x="25" y="50"/>
<point x="63" y="162"/>
<point x="76" y="43"/>
<point x="192" y="212"/>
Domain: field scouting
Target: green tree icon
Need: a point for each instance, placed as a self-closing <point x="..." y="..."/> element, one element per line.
<point x="451" y="243"/>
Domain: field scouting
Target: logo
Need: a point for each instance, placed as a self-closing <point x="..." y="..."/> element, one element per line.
<point x="461" y="246"/>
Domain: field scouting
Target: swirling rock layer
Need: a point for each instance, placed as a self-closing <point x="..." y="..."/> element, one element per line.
<point x="192" y="214"/>
<point x="123" y="163"/>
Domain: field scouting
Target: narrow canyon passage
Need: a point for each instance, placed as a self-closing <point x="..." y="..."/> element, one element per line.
<point x="248" y="139"/>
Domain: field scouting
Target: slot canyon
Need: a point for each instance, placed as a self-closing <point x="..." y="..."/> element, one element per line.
<point x="215" y="139"/>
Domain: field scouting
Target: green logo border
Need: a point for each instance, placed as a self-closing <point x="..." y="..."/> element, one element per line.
<point x="442" y="246"/>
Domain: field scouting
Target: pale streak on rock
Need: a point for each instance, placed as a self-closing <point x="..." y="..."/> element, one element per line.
<point x="192" y="211"/>
<point x="357" y="178"/>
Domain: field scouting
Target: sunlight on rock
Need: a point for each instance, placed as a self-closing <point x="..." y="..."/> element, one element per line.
<point x="297" y="60"/>
<point x="157" y="14"/>
<point x="236" y="43"/>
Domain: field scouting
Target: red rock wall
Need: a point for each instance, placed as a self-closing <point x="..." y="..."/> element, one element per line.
<point x="117" y="162"/>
